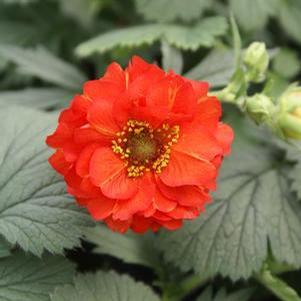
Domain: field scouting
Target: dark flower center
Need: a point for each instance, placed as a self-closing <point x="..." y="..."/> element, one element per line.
<point x="144" y="148"/>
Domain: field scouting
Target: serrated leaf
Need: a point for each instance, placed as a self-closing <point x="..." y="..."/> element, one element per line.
<point x="252" y="206"/>
<point x="172" y="58"/>
<point x="290" y="14"/>
<point x="41" y="98"/>
<point x="202" y="34"/>
<point x="35" y="210"/>
<point x="253" y="15"/>
<point x="173" y="9"/>
<point x="129" y="247"/>
<point x="184" y="37"/>
<point x="41" y="63"/>
<point x="217" y="68"/>
<point x="27" y="278"/>
<point x="104" y="287"/>
<point x="126" y="37"/>
<point x="221" y="295"/>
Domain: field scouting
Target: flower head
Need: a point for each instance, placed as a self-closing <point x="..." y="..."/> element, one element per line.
<point x="141" y="148"/>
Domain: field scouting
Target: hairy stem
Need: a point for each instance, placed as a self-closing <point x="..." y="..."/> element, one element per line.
<point x="277" y="286"/>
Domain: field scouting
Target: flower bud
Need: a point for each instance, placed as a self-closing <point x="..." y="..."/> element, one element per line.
<point x="256" y="60"/>
<point x="290" y="112"/>
<point x="260" y="108"/>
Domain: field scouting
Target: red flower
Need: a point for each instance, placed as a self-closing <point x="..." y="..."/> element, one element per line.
<point x="141" y="148"/>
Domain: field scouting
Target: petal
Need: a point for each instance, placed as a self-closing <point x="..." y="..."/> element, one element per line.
<point x="137" y="67"/>
<point x="102" y="90"/>
<point x="115" y="74"/>
<point x="183" y="169"/>
<point x="181" y="212"/>
<point x="101" y="207"/>
<point x="162" y="203"/>
<point x="62" y="134"/>
<point x="83" y="161"/>
<point x="186" y="195"/>
<point x="197" y="142"/>
<point x="117" y="225"/>
<point x="185" y="103"/>
<point x="87" y="135"/>
<point x="101" y="118"/>
<point x="200" y="88"/>
<point x="141" y="224"/>
<point x="209" y="111"/>
<point x="225" y="136"/>
<point x="109" y="173"/>
<point x="59" y="163"/>
<point x="139" y="202"/>
<point x="172" y="224"/>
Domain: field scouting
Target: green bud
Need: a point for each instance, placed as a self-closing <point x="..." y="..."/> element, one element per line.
<point x="260" y="108"/>
<point x="289" y="116"/>
<point x="256" y="60"/>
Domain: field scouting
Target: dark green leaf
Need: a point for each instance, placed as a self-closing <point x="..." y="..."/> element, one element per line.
<point x="104" y="287"/>
<point x="35" y="210"/>
<point x="27" y="278"/>
<point x="252" y="206"/>
<point x="173" y="9"/>
<point x="41" y="98"/>
<point x="42" y="64"/>
<point x="129" y="247"/>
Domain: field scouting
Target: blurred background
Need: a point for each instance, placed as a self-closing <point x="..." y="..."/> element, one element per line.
<point x="49" y="47"/>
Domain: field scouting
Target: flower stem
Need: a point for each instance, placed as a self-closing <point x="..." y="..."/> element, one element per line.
<point x="277" y="286"/>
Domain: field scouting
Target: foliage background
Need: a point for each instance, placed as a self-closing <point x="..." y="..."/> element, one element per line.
<point x="50" y="249"/>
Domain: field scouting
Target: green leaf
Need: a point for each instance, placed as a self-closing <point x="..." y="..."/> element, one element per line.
<point x="202" y="34"/>
<point x="129" y="247"/>
<point x="290" y="15"/>
<point x="286" y="63"/>
<point x="252" y="206"/>
<point x="171" y="58"/>
<point x="183" y="37"/>
<point x="296" y="177"/>
<point x="170" y="10"/>
<point x="41" y="98"/>
<point x="4" y="248"/>
<point x="253" y="15"/>
<point x="126" y="37"/>
<point x="35" y="211"/>
<point x="217" y="68"/>
<point x="27" y="278"/>
<point x="221" y="295"/>
<point x="104" y="287"/>
<point x="41" y="63"/>
<point x="17" y="33"/>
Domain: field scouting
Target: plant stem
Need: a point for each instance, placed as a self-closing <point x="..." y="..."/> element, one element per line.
<point x="277" y="286"/>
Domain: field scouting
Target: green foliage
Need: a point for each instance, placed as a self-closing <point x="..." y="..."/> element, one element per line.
<point x="104" y="287"/>
<point x="171" y="58"/>
<point x="252" y="206"/>
<point x="221" y="295"/>
<point x="296" y="176"/>
<point x="42" y="64"/>
<point x="35" y="211"/>
<point x="4" y="248"/>
<point x="173" y="9"/>
<point x="253" y="15"/>
<point x="27" y="278"/>
<point x="286" y="63"/>
<point x="217" y="68"/>
<point x="40" y="98"/>
<point x="202" y="34"/>
<point x="131" y="248"/>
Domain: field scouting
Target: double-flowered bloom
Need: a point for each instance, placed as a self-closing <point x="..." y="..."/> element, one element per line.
<point x="141" y="148"/>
